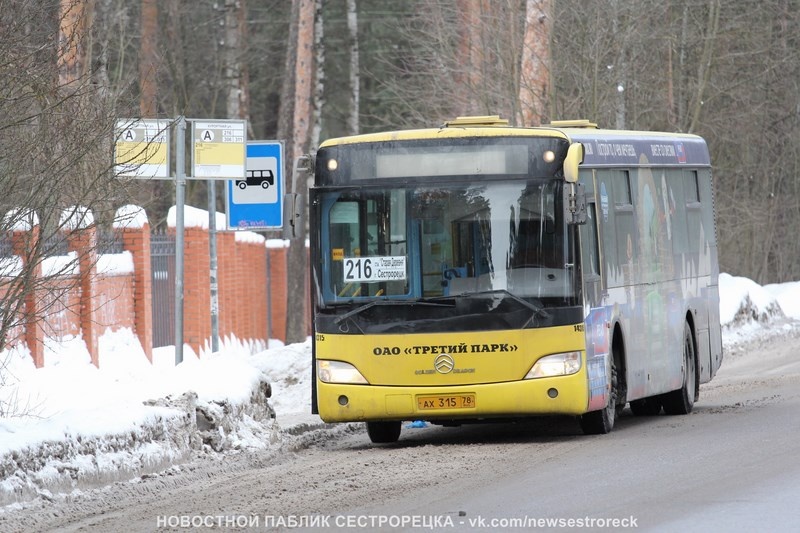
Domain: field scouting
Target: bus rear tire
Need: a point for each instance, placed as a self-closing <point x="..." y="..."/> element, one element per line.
<point x="646" y="406"/>
<point x="383" y="432"/>
<point x="681" y="401"/>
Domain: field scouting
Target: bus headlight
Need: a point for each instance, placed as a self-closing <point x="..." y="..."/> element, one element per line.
<point x="559" y="364"/>
<point x="338" y="372"/>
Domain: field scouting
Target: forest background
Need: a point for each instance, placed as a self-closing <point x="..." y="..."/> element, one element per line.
<point x="305" y="70"/>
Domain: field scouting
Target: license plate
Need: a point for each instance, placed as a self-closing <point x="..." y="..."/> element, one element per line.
<point x="446" y="401"/>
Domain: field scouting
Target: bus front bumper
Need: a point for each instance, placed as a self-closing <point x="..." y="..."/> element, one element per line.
<point x="562" y="395"/>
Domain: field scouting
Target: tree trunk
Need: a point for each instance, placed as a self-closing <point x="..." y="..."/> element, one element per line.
<point x="176" y="46"/>
<point x="296" y="325"/>
<point x="235" y="72"/>
<point x="286" y="108"/>
<point x="304" y="69"/>
<point x="704" y="67"/>
<point x="74" y="24"/>
<point x="469" y="57"/>
<point x="681" y="118"/>
<point x="319" y="78"/>
<point x="534" y="85"/>
<point x="620" y="68"/>
<point x="148" y="60"/>
<point x="355" y="75"/>
<point x="244" y="71"/>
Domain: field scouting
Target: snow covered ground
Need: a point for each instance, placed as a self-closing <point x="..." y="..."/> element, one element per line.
<point x="70" y="426"/>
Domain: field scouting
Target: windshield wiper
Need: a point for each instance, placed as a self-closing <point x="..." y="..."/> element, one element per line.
<point x="417" y="301"/>
<point x="538" y="310"/>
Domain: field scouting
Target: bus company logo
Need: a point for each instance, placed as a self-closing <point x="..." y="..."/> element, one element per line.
<point x="681" y="152"/>
<point x="444" y="363"/>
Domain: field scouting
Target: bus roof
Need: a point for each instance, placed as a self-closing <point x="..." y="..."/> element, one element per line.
<point x="445" y="132"/>
<point x="602" y="147"/>
<point x="606" y="148"/>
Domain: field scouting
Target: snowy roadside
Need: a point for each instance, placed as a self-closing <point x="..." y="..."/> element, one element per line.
<point x="87" y="427"/>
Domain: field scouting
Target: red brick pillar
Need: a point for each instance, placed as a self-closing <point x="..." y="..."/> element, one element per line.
<point x="196" y="289"/>
<point x="83" y="242"/>
<point x="258" y="264"/>
<point x="136" y="240"/>
<point x="244" y="280"/>
<point x="248" y="289"/>
<point x="236" y="305"/>
<point x="23" y="242"/>
<point x="228" y="299"/>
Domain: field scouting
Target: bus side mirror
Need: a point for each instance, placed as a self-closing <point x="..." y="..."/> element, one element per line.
<point x="293" y="225"/>
<point x="293" y="208"/>
<point x="575" y="203"/>
<point x="572" y="161"/>
<point x="305" y="163"/>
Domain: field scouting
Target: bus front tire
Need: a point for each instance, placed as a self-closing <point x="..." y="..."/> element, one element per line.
<point x="602" y="421"/>
<point x="383" y="432"/>
<point x="681" y="401"/>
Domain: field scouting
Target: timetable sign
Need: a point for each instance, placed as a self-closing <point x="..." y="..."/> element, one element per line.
<point x="219" y="149"/>
<point x="141" y="149"/>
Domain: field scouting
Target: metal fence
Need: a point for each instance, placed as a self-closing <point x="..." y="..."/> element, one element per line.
<point x="162" y="258"/>
<point x="55" y="244"/>
<point x="6" y="245"/>
<point x="109" y="242"/>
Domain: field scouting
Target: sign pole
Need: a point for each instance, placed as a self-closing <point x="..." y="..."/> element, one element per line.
<point x="269" y="299"/>
<point x="180" y="192"/>
<point x="212" y="249"/>
<point x="219" y="151"/>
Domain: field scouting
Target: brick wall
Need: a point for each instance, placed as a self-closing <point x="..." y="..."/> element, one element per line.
<point x="59" y="303"/>
<point x="252" y="285"/>
<point x="249" y="296"/>
<point x="115" y="301"/>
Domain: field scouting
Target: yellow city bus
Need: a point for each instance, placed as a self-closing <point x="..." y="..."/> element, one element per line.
<point x="478" y="271"/>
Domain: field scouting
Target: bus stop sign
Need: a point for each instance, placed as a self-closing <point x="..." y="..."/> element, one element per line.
<point x="255" y="202"/>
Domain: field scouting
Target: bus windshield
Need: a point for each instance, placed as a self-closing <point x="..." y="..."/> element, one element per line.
<point x="449" y="251"/>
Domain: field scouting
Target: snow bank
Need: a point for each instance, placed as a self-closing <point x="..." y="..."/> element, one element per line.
<point x="788" y="296"/>
<point x="71" y="425"/>
<point x="742" y="301"/>
<point x="288" y="370"/>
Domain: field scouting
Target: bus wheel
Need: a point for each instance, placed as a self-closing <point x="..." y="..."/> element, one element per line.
<point x="646" y="406"/>
<point x="383" y="432"/>
<point x="681" y="401"/>
<point x="602" y="421"/>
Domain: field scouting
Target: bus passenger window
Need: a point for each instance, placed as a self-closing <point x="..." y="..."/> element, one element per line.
<point x="691" y="187"/>
<point x="591" y="259"/>
<point x="694" y="222"/>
